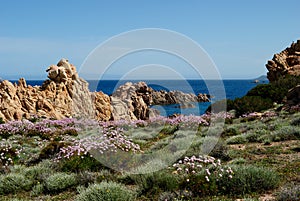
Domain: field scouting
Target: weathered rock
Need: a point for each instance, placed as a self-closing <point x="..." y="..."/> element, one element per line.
<point x="285" y="63"/>
<point x="102" y="106"/>
<point x="293" y="96"/>
<point x="131" y="101"/>
<point x="174" y="97"/>
<point x="64" y="95"/>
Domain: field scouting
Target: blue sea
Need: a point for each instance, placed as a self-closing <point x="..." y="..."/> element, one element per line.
<point x="233" y="89"/>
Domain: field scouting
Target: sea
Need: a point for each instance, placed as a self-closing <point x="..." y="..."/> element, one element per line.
<point x="232" y="88"/>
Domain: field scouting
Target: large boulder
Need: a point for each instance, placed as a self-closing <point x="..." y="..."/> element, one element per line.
<point x="63" y="95"/>
<point x="131" y="101"/>
<point x="285" y="63"/>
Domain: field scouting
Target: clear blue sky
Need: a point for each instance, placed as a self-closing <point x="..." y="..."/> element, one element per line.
<point x="240" y="36"/>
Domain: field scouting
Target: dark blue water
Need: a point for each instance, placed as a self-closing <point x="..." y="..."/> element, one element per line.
<point x="233" y="89"/>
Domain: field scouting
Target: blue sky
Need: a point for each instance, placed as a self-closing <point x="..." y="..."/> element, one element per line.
<point x="239" y="36"/>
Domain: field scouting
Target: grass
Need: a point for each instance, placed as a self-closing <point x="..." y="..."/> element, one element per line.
<point x="264" y="154"/>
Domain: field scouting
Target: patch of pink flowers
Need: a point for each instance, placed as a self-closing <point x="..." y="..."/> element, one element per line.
<point x="100" y="140"/>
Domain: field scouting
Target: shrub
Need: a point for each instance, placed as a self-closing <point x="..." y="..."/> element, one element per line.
<point x="219" y="149"/>
<point x="80" y="163"/>
<point x="277" y="90"/>
<point x="109" y="191"/>
<point x="295" y="122"/>
<point x="248" y="179"/>
<point x="286" y="133"/>
<point x="238" y="139"/>
<point x="60" y="181"/>
<point x="14" y="182"/>
<point x="39" y="172"/>
<point x="221" y="106"/>
<point x="289" y="192"/>
<point x="249" y="104"/>
<point x="200" y="174"/>
<point x="252" y="137"/>
<point x="230" y="132"/>
<point x="51" y="149"/>
<point x="37" y="190"/>
<point x="154" y="183"/>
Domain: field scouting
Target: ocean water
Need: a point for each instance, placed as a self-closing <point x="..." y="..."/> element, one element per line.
<point x="233" y="89"/>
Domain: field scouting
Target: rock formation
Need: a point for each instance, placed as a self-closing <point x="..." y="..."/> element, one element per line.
<point x="173" y="97"/>
<point x="285" y="63"/>
<point x="132" y="101"/>
<point x="63" y="95"/>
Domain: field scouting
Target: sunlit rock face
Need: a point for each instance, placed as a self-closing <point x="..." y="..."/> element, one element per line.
<point x="285" y="63"/>
<point x="63" y="95"/>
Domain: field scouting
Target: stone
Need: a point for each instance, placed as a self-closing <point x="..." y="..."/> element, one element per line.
<point x="285" y="63"/>
<point x="63" y="95"/>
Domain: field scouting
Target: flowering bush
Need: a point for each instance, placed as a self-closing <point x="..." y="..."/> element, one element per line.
<point x="8" y="152"/>
<point x="106" y="139"/>
<point x="201" y="174"/>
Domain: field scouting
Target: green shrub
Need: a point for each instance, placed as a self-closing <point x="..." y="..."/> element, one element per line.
<point x="109" y="191"/>
<point x="238" y="161"/>
<point x="60" y="181"/>
<point x="37" y="190"/>
<point x="286" y="133"/>
<point x="252" y="137"/>
<point x="14" y="182"/>
<point x="78" y="163"/>
<point x="295" y="122"/>
<point x="230" y="132"/>
<point x="198" y="184"/>
<point x="248" y="179"/>
<point x="219" y="148"/>
<point x="39" y="172"/>
<point x="238" y="139"/>
<point x="154" y="183"/>
<point x="249" y="104"/>
<point x="277" y="90"/>
<point x="290" y="192"/>
<point x="51" y="149"/>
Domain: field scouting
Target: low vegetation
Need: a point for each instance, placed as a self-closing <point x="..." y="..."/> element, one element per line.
<point x="65" y="160"/>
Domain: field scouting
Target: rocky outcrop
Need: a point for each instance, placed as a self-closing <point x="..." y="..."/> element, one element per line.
<point x="132" y="100"/>
<point x="173" y="97"/>
<point x="285" y="63"/>
<point x="63" y="95"/>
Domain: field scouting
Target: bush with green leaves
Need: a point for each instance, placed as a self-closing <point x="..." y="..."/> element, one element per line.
<point x="59" y="182"/>
<point x="249" y="104"/>
<point x="156" y="182"/>
<point x="277" y="90"/>
<point x="295" y="122"/>
<point x="286" y="133"/>
<point x="248" y="179"/>
<point x="290" y="192"/>
<point x="14" y="182"/>
<point x="238" y="139"/>
<point x="106" y="191"/>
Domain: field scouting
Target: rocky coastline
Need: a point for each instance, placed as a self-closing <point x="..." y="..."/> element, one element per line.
<point x="66" y="95"/>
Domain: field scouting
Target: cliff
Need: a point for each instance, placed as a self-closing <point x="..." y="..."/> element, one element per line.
<point x="285" y="63"/>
